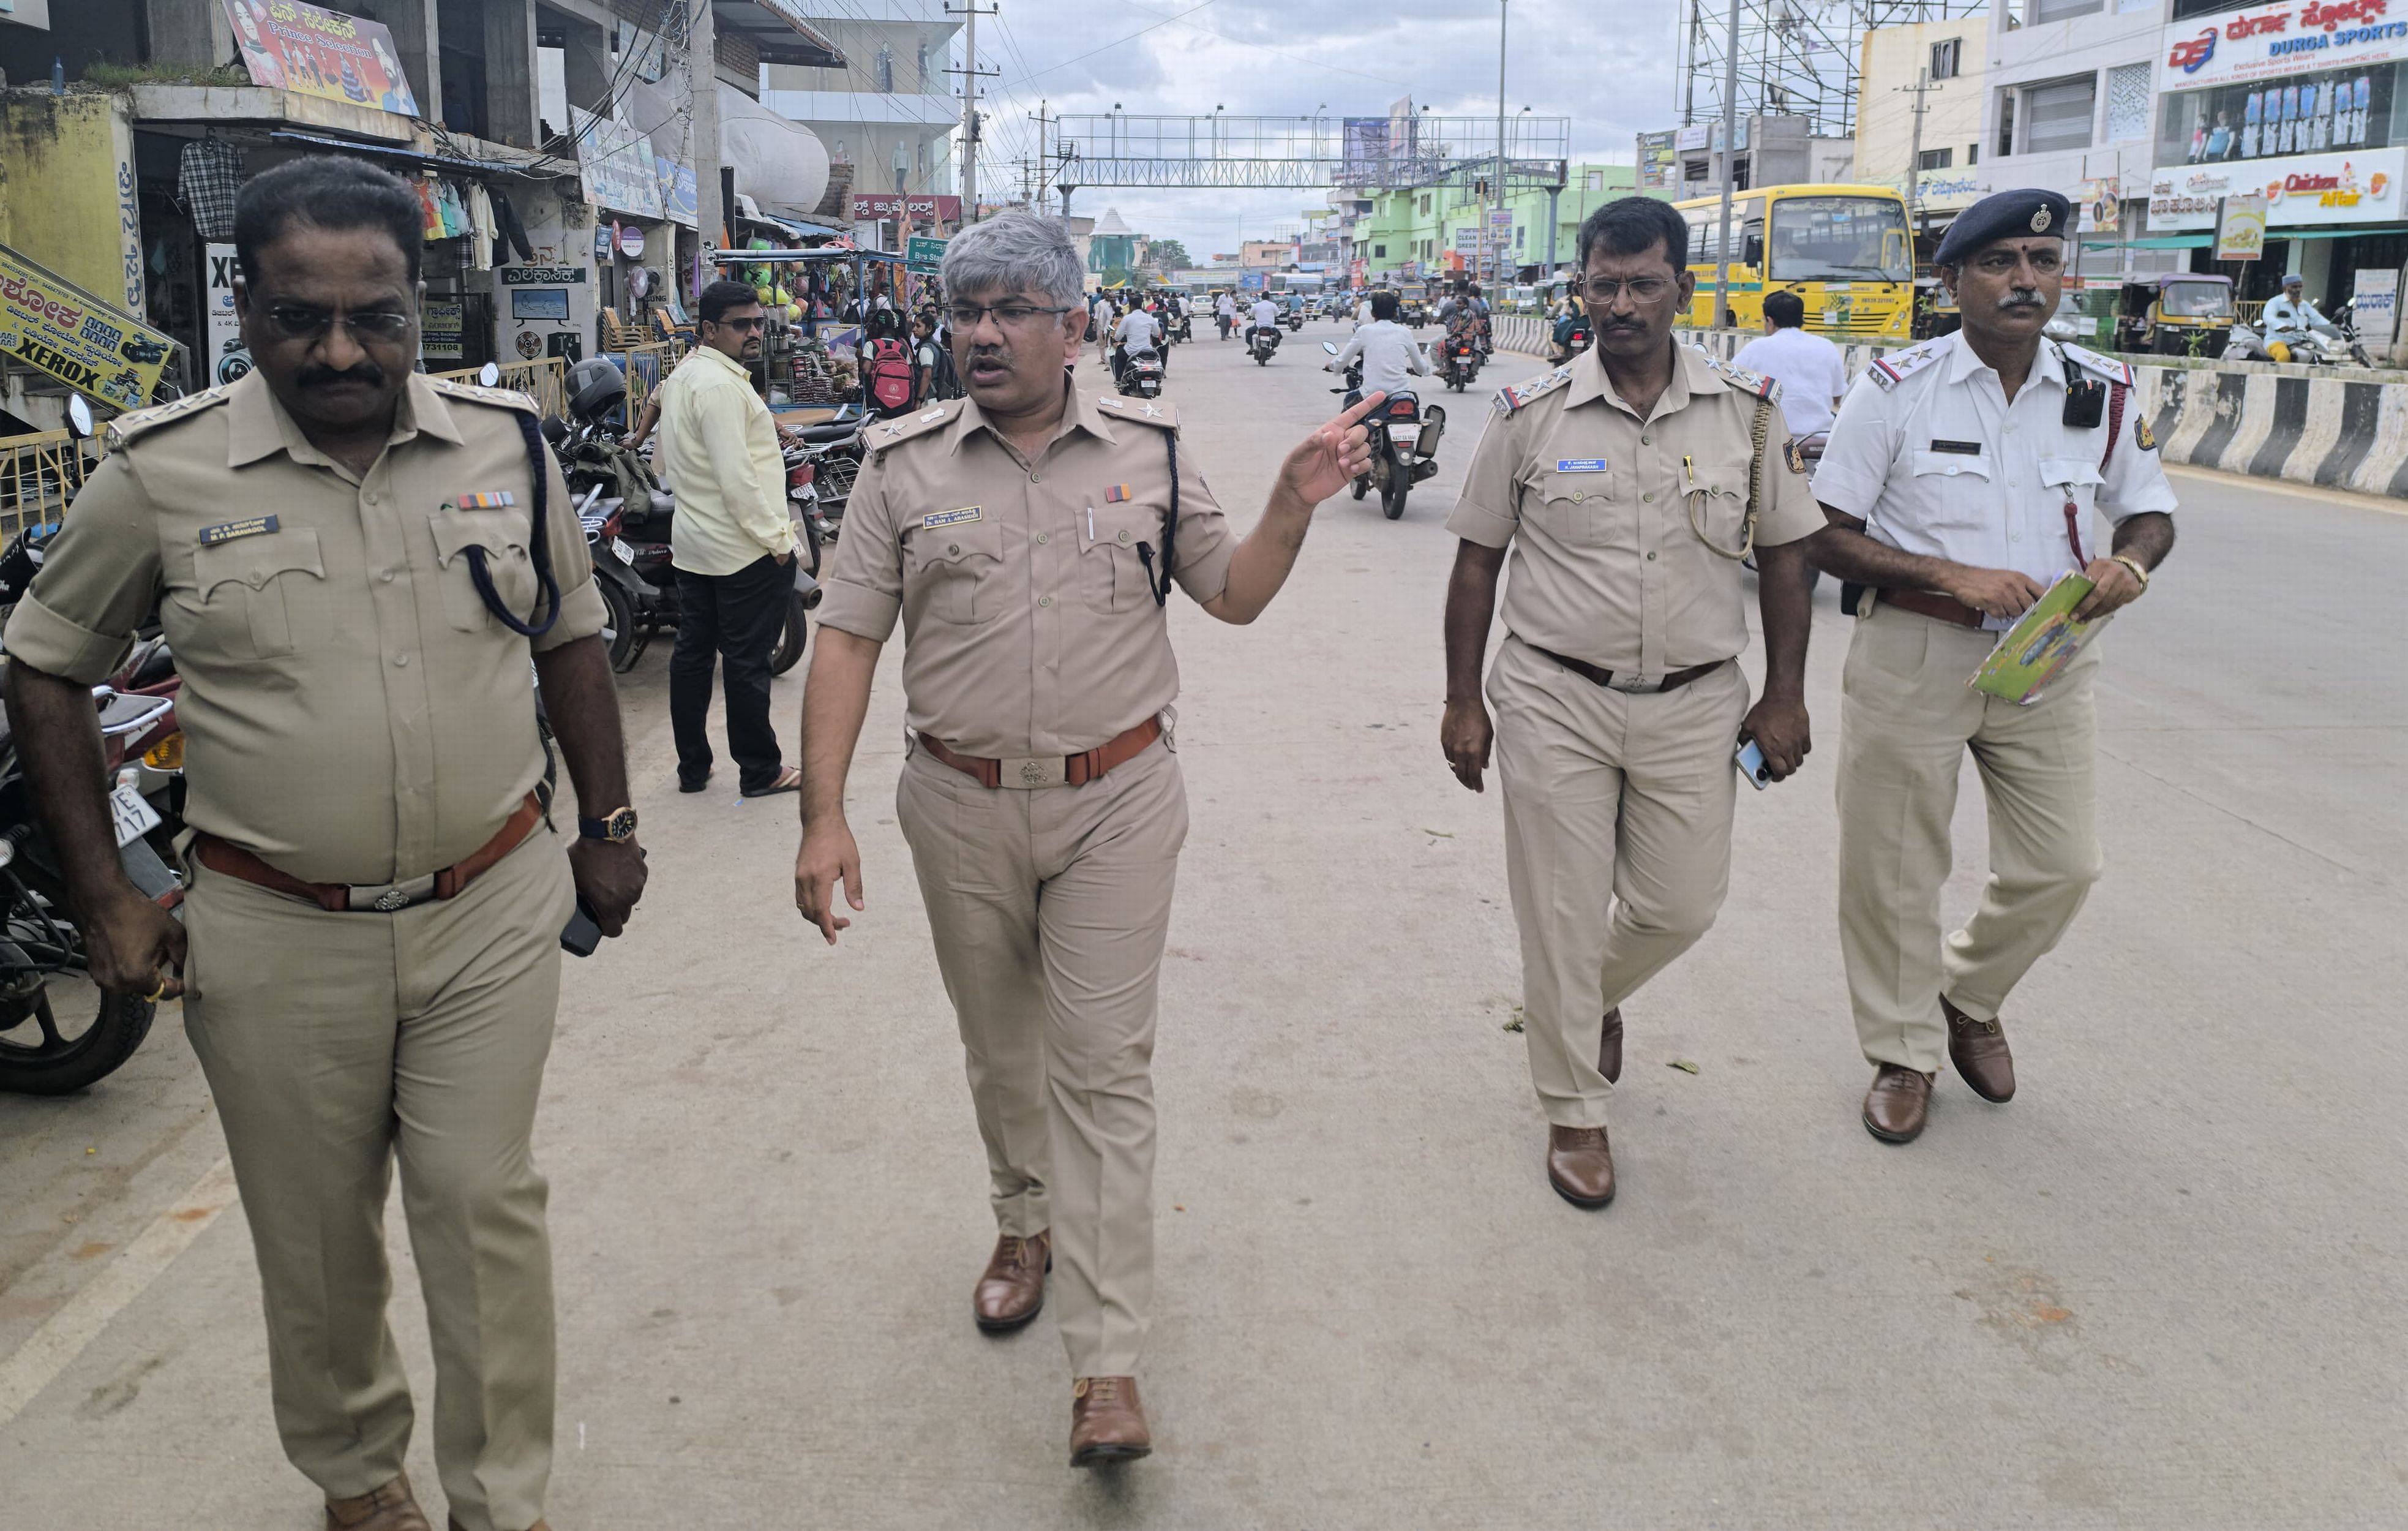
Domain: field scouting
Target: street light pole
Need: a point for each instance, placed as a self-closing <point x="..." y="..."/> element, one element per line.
<point x="1488" y="223"/>
<point x="1730" y="151"/>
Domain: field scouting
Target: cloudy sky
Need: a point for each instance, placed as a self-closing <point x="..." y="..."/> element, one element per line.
<point x="1607" y="64"/>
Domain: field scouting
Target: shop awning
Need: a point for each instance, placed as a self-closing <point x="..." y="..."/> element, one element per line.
<point x="777" y="28"/>
<point x="799" y="229"/>
<point x="2200" y="241"/>
<point x="538" y="171"/>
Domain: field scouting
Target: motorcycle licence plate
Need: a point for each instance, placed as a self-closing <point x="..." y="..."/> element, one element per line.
<point x="132" y="816"/>
<point x="619" y="545"/>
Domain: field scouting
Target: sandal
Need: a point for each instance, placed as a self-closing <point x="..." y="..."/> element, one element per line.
<point x="790" y="779"/>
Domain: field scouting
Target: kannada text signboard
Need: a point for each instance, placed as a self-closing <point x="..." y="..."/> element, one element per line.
<point x="310" y="51"/>
<point x="2273" y="42"/>
<point x="870" y="206"/>
<point x="49" y="323"/>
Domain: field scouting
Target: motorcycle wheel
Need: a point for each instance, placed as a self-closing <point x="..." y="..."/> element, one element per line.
<point x="619" y="618"/>
<point x="1362" y="487"/>
<point x="1400" y="483"/>
<point x="791" y="638"/>
<point x="49" y="1062"/>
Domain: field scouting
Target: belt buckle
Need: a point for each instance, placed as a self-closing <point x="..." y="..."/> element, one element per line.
<point x="1624" y="681"/>
<point x="1038" y="771"/>
<point x="393" y="897"/>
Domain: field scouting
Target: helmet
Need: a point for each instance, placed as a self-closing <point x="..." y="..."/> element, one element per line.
<point x="596" y="386"/>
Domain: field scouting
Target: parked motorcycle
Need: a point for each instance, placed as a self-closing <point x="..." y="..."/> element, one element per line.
<point x="1262" y="343"/>
<point x="1403" y="439"/>
<point x="1140" y="374"/>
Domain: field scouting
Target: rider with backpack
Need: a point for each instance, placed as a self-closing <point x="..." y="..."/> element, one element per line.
<point x="887" y="385"/>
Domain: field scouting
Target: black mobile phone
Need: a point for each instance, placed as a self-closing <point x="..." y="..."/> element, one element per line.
<point x="582" y="932"/>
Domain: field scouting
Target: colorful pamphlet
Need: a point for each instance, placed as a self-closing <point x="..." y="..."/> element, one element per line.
<point x="2037" y="649"/>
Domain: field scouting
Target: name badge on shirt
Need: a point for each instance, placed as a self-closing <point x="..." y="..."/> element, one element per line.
<point x="934" y="519"/>
<point x="1579" y="465"/>
<point x="490" y="499"/>
<point x="1961" y="449"/>
<point x="226" y="531"/>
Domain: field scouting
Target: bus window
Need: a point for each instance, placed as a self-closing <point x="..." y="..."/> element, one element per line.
<point x="1839" y="239"/>
<point x="1751" y="248"/>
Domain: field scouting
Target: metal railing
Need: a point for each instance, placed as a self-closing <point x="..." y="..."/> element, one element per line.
<point x="646" y="365"/>
<point x="39" y="474"/>
<point x="544" y="380"/>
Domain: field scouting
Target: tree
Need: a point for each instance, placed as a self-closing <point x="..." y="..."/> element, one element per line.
<point x="1168" y="256"/>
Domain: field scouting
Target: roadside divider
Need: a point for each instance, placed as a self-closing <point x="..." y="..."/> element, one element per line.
<point x="2336" y="428"/>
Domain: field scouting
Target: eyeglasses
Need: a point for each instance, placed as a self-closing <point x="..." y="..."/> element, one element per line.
<point x="298" y="322"/>
<point x="1998" y="263"/>
<point x="744" y="326"/>
<point x="1643" y="289"/>
<point x="966" y="316"/>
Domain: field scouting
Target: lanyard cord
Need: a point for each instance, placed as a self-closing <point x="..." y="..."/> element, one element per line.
<point x="1161" y="584"/>
<point x="541" y="551"/>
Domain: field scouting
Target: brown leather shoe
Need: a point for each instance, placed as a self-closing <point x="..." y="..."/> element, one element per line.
<point x="1897" y="1104"/>
<point x="1107" y="1421"/>
<point x="1609" y="1048"/>
<point x="1979" y="1050"/>
<point x="1012" y="1287"/>
<point x="1579" y="1165"/>
<point x="388" y="1508"/>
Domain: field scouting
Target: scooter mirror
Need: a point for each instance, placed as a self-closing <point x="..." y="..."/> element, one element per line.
<point x="79" y="415"/>
<point x="489" y="375"/>
<point x="1330" y="346"/>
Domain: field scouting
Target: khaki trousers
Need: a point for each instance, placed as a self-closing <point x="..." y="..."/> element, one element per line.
<point x="1906" y="719"/>
<point x="1617" y="847"/>
<point x="1049" y="909"/>
<point x="335" y="1042"/>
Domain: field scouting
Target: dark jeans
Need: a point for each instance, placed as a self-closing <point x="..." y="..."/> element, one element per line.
<point x="736" y="617"/>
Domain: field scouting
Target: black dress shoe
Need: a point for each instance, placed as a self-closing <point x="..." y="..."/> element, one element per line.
<point x="1979" y="1050"/>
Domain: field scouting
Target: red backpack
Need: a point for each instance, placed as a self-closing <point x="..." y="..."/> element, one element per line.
<point x="889" y="373"/>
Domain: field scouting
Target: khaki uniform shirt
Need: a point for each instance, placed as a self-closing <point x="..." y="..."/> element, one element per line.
<point x="1598" y="506"/>
<point x="352" y="712"/>
<point x="1029" y="624"/>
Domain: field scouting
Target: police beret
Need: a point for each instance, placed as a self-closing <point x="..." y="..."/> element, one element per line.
<point x="2004" y="215"/>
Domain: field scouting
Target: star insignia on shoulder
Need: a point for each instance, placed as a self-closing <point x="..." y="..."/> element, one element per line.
<point x="1152" y="414"/>
<point x="893" y="432"/>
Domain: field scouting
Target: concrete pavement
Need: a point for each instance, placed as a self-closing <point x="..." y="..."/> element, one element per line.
<point x="2160" y="1289"/>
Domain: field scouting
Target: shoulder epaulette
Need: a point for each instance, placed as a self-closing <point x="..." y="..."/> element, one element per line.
<point x="885" y="433"/>
<point x="133" y="423"/>
<point x="1513" y="396"/>
<point x="1144" y="411"/>
<point x="506" y="398"/>
<point x="1767" y="389"/>
<point x="2106" y="367"/>
<point x="1896" y="368"/>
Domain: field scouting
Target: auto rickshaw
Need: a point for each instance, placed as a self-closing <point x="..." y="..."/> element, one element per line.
<point x="1939" y="315"/>
<point x="2177" y="314"/>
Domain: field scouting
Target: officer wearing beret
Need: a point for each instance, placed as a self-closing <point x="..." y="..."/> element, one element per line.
<point x="355" y="563"/>
<point x="1963" y="477"/>
<point x="1027" y="538"/>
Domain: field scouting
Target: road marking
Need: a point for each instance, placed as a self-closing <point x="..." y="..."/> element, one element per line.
<point x="80" y="1321"/>
<point x="2329" y="495"/>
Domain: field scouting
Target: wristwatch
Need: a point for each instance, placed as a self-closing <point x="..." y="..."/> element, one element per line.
<point x="618" y="826"/>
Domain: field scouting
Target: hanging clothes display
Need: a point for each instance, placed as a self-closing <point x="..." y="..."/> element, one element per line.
<point x="206" y="179"/>
<point x="482" y="227"/>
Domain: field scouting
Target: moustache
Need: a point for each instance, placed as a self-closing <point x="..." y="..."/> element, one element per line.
<point x="367" y="374"/>
<point x="2022" y="297"/>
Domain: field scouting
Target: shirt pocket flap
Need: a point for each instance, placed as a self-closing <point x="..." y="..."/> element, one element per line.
<point x="955" y="544"/>
<point x="457" y="531"/>
<point x="1950" y="464"/>
<point x="1722" y="481"/>
<point x="1120" y="526"/>
<point x="256" y="560"/>
<point x="2067" y="472"/>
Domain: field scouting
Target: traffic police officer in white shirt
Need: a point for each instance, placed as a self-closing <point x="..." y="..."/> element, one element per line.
<point x="1964" y="476"/>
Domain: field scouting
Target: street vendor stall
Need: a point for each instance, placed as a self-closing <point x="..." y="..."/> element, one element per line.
<point x="812" y="351"/>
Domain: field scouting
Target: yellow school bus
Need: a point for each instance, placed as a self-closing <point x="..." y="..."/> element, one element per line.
<point x="1844" y="249"/>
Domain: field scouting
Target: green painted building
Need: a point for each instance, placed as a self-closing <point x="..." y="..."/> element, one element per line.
<point x="1413" y="234"/>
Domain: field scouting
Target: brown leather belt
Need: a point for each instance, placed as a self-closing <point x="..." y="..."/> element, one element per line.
<point x="231" y="861"/>
<point x="1050" y="770"/>
<point x="1926" y="603"/>
<point x="1590" y="673"/>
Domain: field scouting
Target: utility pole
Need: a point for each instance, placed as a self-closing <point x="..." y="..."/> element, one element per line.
<point x="1731" y="163"/>
<point x="1042" y="121"/>
<point x="1922" y="87"/>
<point x="702" y="127"/>
<point x="1487" y="223"/>
<point x="971" y="74"/>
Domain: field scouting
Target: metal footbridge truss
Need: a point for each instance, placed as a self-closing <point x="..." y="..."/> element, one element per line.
<point x="1219" y="152"/>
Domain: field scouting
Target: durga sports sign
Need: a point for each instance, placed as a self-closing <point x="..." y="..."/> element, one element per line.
<point x="2271" y="42"/>
<point x="57" y="327"/>
<point x="2361" y="186"/>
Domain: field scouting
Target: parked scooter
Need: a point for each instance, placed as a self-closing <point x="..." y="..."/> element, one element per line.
<point x="1403" y="439"/>
<point x="1262" y="343"/>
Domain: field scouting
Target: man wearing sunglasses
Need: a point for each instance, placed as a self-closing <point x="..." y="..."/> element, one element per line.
<point x="1628" y="484"/>
<point x="1028" y="538"/>
<point x="731" y="544"/>
<point x="345" y="555"/>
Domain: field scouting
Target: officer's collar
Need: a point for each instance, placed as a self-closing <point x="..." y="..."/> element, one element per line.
<point x="1963" y="363"/>
<point x="1691" y="375"/>
<point x="1079" y="409"/>
<point x="258" y="427"/>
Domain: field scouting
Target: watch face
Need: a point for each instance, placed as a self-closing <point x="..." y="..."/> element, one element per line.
<point x="623" y="824"/>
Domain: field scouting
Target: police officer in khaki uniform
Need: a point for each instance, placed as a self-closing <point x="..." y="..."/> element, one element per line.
<point x="1628" y="483"/>
<point x="347" y="561"/>
<point x="1028" y="538"/>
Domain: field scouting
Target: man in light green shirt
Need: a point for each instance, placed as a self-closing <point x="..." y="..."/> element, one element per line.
<point x="733" y="543"/>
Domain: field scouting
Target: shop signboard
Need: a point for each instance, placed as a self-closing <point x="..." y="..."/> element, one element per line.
<point x="1657" y="169"/>
<point x="923" y="253"/>
<point x="680" y="199"/>
<point x="2102" y="206"/>
<point x="1948" y="191"/>
<point x="309" y="51"/>
<point x="616" y="164"/>
<point x="1693" y="137"/>
<point x="52" y="325"/>
<point x="2303" y="36"/>
<point x="227" y="358"/>
<point x="2375" y="307"/>
<point x="442" y="324"/>
<point x="2359" y="186"/>
<point x="868" y="207"/>
<point x="2241" y="227"/>
<point x="543" y="276"/>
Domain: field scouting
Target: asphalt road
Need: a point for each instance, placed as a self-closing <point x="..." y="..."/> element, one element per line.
<point x="2162" y="1288"/>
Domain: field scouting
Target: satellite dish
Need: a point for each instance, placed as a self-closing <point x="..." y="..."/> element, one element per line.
<point x="489" y="375"/>
<point x="79" y="415"/>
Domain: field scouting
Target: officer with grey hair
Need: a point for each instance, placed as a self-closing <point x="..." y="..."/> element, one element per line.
<point x="1029" y="537"/>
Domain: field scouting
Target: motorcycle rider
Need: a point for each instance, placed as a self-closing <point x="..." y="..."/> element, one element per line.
<point x="1266" y="316"/>
<point x="1137" y="330"/>
<point x="2291" y="317"/>
<point x="1225" y="310"/>
<point x="1391" y="359"/>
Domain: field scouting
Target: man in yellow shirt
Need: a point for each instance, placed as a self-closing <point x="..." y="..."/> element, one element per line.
<point x="732" y="543"/>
